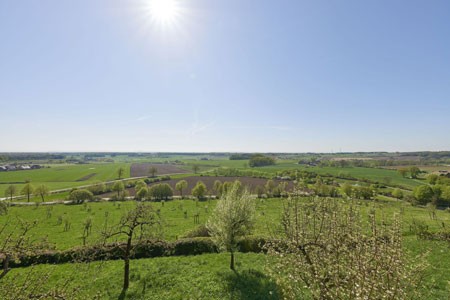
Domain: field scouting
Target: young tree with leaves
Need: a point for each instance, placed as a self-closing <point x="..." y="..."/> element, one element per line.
<point x="120" y="172"/>
<point x="180" y="186"/>
<point x="28" y="190"/>
<point x="42" y="191"/>
<point x="118" y="187"/>
<point x="152" y="171"/>
<point x="10" y="191"/>
<point x="199" y="190"/>
<point x="232" y="219"/>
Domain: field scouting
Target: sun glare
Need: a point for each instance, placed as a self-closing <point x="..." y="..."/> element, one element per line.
<point x="164" y="12"/>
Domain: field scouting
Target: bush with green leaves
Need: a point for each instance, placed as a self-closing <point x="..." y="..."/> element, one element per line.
<point x="81" y="195"/>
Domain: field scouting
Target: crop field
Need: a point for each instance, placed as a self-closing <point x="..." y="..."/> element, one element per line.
<point x="60" y="176"/>
<point x="207" y="275"/>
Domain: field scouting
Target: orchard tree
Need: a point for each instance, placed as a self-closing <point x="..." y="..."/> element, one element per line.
<point x="232" y="219"/>
<point x="142" y="193"/>
<point x="397" y="193"/>
<point x="199" y="190"/>
<point x="42" y="191"/>
<point x="81" y="195"/>
<point x="403" y="172"/>
<point x="136" y="226"/>
<point x="118" y="187"/>
<point x="161" y="191"/>
<point x="432" y="178"/>
<point x="28" y="190"/>
<point x="328" y="251"/>
<point x="414" y="171"/>
<point x="139" y="185"/>
<point x="180" y="186"/>
<point x="195" y="168"/>
<point x="10" y="191"/>
<point x="347" y="190"/>
<point x="120" y="172"/>
<point x="217" y="188"/>
<point x="269" y="186"/>
<point x="152" y="171"/>
<point x="97" y="188"/>
<point x="423" y="194"/>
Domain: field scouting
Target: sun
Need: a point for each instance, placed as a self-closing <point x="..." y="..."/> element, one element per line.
<point x="164" y="12"/>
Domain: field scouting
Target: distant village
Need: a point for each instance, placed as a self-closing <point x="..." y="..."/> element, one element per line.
<point x="7" y="168"/>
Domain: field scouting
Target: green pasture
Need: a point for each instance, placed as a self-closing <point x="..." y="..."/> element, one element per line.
<point x="206" y="276"/>
<point x="63" y="175"/>
<point x="176" y="223"/>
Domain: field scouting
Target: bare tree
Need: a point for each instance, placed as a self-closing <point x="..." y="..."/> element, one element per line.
<point x="136" y="225"/>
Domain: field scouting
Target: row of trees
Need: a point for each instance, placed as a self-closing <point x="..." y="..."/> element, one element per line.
<point x="28" y="190"/>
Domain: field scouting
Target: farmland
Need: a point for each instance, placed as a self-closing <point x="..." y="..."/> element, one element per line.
<point x="60" y="176"/>
<point x="153" y="272"/>
<point x="142" y="169"/>
<point x="62" y="226"/>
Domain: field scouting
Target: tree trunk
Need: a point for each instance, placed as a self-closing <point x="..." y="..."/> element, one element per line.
<point x="126" y="258"/>
<point x="232" y="261"/>
<point x="5" y="266"/>
<point x="126" y="274"/>
<point x="28" y="197"/>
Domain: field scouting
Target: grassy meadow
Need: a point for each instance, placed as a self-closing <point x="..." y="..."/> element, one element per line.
<point x="199" y="276"/>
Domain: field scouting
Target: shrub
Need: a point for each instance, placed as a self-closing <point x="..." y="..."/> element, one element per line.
<point x="200" y="231"/>
<point x="194" y="246"/>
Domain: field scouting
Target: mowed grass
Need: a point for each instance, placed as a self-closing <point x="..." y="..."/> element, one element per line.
<point x="207" y="276"/>
<point x="63" y="176"/>
<point x="190" y="277"/>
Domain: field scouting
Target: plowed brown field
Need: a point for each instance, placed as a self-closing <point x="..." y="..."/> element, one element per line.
<point x="142" y="169"/>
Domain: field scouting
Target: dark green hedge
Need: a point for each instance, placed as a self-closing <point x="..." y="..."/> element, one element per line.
<point x="146" y="249"/>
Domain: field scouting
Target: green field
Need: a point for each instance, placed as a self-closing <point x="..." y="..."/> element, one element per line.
<point x="60" y="176"/>
<point x="204" y="276"/>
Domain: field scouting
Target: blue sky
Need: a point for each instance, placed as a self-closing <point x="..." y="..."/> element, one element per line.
<point x="226" y="75"/>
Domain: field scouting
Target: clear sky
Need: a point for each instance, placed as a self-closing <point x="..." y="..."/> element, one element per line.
<point x="225" y="75"/>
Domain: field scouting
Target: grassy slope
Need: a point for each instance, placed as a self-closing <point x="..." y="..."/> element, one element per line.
<point x="208" y="277"/>
<point x="194" y="277"/>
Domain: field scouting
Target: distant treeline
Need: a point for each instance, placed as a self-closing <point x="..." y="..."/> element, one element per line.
<point x="240" y="156"/>
<point x="373" y="163"/>
<point x="30" y="156"/>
